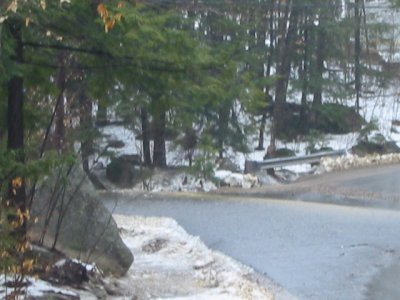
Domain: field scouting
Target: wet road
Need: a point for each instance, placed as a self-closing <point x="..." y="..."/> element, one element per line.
<point x="314" y="250"/>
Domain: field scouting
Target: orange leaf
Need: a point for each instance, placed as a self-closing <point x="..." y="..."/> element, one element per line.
<point x="17" y="182"/>
<point x="110" y="24"/>
<point x="102" y="10"/>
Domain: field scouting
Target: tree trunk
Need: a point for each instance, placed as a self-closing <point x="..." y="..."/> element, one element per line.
<point x="85" y="116"/>
<point x="261" y="132"/>
<point x="317" y="100"/>
<point x="304" y="88"/>
<point x="318" y="70"/>
<point x="59" y="131"/>
<point x="223" y="121"/>
<point x="144" y="118"/>
<point x="15" y="127"/>
<point x="159" y="124"/>
<point x="357" y="53"/>
<point x="285" y="59"/>
<point x="268" y="73"/>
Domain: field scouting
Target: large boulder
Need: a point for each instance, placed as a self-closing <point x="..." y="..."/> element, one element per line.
<point x="83" y="227"/>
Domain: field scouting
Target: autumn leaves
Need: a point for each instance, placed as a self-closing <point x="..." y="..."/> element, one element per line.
<point x="110" y="18"/>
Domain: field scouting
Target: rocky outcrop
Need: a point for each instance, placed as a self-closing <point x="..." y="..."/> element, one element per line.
<point x="69" y="213"/>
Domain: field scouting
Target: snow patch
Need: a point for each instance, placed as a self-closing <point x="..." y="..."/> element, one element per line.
<point x="184" y="268"/>
<point x="35" y="288"/>
<point x="353" y="161"/>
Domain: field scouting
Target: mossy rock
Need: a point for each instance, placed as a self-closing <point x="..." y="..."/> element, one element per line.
<point x="284" y="152"/>
<point x="365" y="147"/>
<point x="281" y="152"/>
<point x="327" y="118"/>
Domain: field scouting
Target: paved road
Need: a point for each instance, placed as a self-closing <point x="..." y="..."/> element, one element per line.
<point x="314" y="250"/>
<point x="366" y="187"/>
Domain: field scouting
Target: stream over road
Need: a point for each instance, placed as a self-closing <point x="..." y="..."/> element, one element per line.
<point x="314" y="249"/>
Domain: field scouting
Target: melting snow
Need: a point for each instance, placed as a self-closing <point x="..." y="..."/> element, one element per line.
<point x="182" y="267"/>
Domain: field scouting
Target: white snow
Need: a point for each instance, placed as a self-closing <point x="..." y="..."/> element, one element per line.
<point x="182" y="267"/>
<point x="353" y="161"/>
<point x="88" y="267"/>
<point x="36" y="288"/>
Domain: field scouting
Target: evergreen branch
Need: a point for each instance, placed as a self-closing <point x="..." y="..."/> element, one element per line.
<point x="67" y="48"/>
<point x="132" y="61"/>
<point x="137" y="66"/>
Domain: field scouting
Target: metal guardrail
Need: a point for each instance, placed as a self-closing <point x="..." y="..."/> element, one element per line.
<point x="287" y="161"/>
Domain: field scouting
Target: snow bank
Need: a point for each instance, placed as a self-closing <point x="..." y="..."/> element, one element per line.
<point x="171" y="264"/>
<point x="35" y="288"/>
<point x="231" y="179"/>
<point x="353" y="161"/>
<point x="164" y="182"/>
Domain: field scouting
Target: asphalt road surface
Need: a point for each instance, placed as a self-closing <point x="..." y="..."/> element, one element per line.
<point x="332" y="244"/>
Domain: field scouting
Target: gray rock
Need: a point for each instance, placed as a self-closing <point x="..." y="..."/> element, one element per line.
<point x="87" y="230"/>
